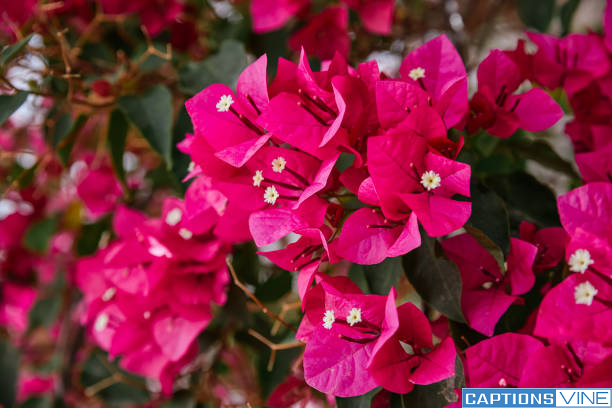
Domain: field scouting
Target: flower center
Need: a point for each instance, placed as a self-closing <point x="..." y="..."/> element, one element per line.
<point x="354" y="316"/>
<point x="174" y="216"/>
<point x="417" y="73"/>
<point x="580" y="261"/>
<point x="185" y="233"/>
<point x="328" y="319"/>
<point x="585" y="293"/>
<point x="224" y="103"/>
<point x="258" y="178"/>
<point x="431" y="180"/>
<point x="271" y="195"/>
<point x="109" y="294"/>
<point x="101" y="322"/>
<point x="278" y="164"/>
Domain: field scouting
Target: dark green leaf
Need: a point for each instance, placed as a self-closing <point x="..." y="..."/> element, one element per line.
<point x="38" y="234"/>
<point x="116" y="136"/>
<point x="223" y="67"/>
<point x="64" y="146"/>
<point x="436" y="395"/>
<point x="489" y="215"/>
<point x="246" y="263"/>
<point x="497" y="164"/>
<point x="541" y="152"/>
<point x="151" y="113"/>
<point x="37" y="402"/>
<point x="89" y="238"/>
<point x="536" y="14"/>
<point x="180" y="160"/>
<point x="12" y="51"/>
<point x="435" y="278"/>
<point x="566" y="13"/>
<point x="525" y="195"/>
<point x="9" y="104"/>
<point x="45" y="312"/>
<point x="275" y="287"/>
<point x="9" y="365"/>
<point x="181" y="399"/>
<point x="62" y="127"/>
<point x="361" y="401"/>
<point x="377" y="279"/>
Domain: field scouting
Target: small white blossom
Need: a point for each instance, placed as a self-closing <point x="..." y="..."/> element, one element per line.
<point x="146" y="315"/>
<point x="407" y="348"/>
<point x="109" y="294"/>
<point x="224" y="103"/>
<point x="101" y="322"/>
<point x="487" y="285"/>
<point x="328" y="319"/>
<point x="271" y="195"/>
<point x="502" y="382"/>
<point x="191" y="167"/>
<point x="354" y="316"/>
<point x="185" y="233"/>
<point x="174" y="216"/>
<point x="417" y="73"/>
<point x="580" y="261"/>
<point x="585" y="293"/>
<point x="430" y="180"/>
<point x="278" y="164"/>
<point x="258" y="178"/>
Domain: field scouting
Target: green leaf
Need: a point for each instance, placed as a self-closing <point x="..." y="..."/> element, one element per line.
<point x="62" y="127"/>
<point x="489" y="215"/>
<point x="566" y="14"/>
<point x="377" y="279"/>
<point x="223" y="67"/>
<point x="541" y="152"/>
<point x="9" y="104"/>
<point x="65" y="145"/>
<point x="12" y="51"/>
<point x="9" y="365"/>
<point x="536" y="14"/>
<point x="89" y="238"/>
<point x="361" y="401"/>
<point x="528" y="198"/>
<point x="151" y="113"/>
<point x="438" y="394"/>
<point x="38" y="235"/>
<point x="180" y="160"/>
<point x="487" y="244"/>
<point x="275" y="287"/>
<point x="181" y="399"/>
<point x="117" y="134"/>
<point x="37" y="402"/>
<point x="45" y="312"/>
<point x="435" y="278"/>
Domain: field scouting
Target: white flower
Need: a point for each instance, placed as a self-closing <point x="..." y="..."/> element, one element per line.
<point x="109" y="294"/>
<point x="185" y="233"/>
<point x="407" y="348"/>
<point x="487" y="285"/>
<point x="417" y="73"/>
<point x="191" y="167"/>
<point x="174" y="216"/>
<point x="258" y="178"/>
<point x="146" y="314"/>
<point x="278" y="164"/>
<point x="328" y="319"/>
<point x="585" y="293"/>
<point x="224" y="103"/>
<point x="580" y="261"/>
<point x="430" y="180"/>
<point x="354" y="316"/>
<point x="271" y="195"/>
<point x="502" y="382"/>
<point x="101" y="322"/>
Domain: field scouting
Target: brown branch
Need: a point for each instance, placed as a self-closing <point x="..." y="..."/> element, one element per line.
<point x="287" y="307"/>
<point x="254" y="298"/>
<point x="274" y="347"/>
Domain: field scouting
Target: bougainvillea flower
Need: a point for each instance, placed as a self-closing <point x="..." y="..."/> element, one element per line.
<point x="577" y="309"/>
<point x="376" y="15"/>
<point x="437" y="68"/>
<point x="561" y="59"/>
<point x="17" y="300"/>
<point x="344" y="330"/>
<point x="596" y="165"/>
<point x="486" y="292"/>
<point x="499" y="361"/>
<point x="405" y="345"/>
<point x="549" y="241"/>
<point x="270" y="15"/>
<point x="498" y="110"/>
<point x="99" y="190"/>
<point x="153" y="16"/>
<point x="588" y="207"/>
<point x="324" y="34"/>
